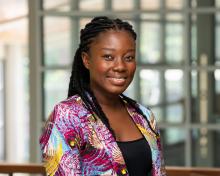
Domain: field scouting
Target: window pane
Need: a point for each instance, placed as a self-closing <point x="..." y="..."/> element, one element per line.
<point x="56" y="85"/>
<point x="193" y="40"/>
<point x="83" y="22"/>
<point x="59" y="5"/>
<point x="14" y="51"/>
<point x="164" y="95"/>
<point x="2" y="138"/>
<point x="210" y="3"/>
<point x="174" y="96"/>
<point x="217" y="94"/>
<point x="150" y="87"/>
<point x="174" y="17"/>
<point x="174" y="85"/>
<point x="12" y="9"/>
<point x="173" y="140"/>
<point x="217" y="3"/>
<point x="205" y="148"/>
<point x="194" y="96"/>
<point x="205" y="38"/>
<point x="131" y="90"/>
<point x="150" y="4"/>
<point x="175" y="113"/>
<point x="150" y="17"/>
<point x="217" y="41"/>
<point x="205" y="87"/>
<point x="174" y="4"/>
<point x="91" y="5"/>
<point x="122" y="4"/>
<point x="57" y="41"/>
<point x="169" y="113"/>
<point x="174" y="43"/>
<point x="158" y="113"/>
<point x="150" y="42"/>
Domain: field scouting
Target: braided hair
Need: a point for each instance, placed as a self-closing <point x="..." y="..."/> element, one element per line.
<point x="79" y="79"/>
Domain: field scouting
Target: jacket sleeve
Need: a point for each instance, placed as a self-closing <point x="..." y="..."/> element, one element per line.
<point x="60" y="143"/>
<point x="161" y="158"/>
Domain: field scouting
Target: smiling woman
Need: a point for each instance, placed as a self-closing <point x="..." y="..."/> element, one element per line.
<point x="97" y="129"/>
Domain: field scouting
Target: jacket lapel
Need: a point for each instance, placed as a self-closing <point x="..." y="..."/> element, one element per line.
<point x="103" y="137"/>
<point x="151" y="138"/>
<point x="143" y="126"/>
<point x="107" y="141"/>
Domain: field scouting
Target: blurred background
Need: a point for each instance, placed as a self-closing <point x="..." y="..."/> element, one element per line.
<point x="178" y="72"/>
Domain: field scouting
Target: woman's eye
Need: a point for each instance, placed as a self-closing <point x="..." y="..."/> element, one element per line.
<point x="108" y="57"/>
<point x="129" y="58"/>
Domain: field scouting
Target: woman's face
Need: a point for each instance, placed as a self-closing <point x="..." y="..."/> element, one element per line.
<point x="111" y="62"/>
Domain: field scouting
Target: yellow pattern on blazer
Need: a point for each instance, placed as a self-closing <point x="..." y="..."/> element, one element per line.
<point x="88" y="147"/>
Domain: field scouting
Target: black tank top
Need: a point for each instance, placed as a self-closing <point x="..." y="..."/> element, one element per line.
<point x="137" y="156"/>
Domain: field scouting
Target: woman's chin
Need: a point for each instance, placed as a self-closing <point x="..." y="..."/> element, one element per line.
<point x="117" y="91"/>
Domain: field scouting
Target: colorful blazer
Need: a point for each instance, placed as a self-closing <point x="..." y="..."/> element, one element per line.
<point x="76" y="142"/>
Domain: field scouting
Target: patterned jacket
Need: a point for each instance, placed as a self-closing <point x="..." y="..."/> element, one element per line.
<point x="74" y="143"/>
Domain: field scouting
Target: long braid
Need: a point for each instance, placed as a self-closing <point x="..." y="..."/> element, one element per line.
<point x="79" y="80"/>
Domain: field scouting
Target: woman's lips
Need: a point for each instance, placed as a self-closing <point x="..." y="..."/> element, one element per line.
<point x="117" y="81"/>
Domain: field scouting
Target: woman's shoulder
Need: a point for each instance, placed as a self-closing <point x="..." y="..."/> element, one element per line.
<point x="67" y="108"/>
<point x="73" y="103"/>
<point x="148" y="113"/>
<point x="146" y="110"/>
<point x="70" y="101"/>
<point x="62" y="120"/>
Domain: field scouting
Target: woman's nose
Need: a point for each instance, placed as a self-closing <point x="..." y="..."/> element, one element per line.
<point x="119" y="65"/>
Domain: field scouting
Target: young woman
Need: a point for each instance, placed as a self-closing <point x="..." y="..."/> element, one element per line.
<point x="97" y="130"/>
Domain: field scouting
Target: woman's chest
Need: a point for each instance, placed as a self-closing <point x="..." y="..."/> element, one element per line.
<point x="123" y="125"/>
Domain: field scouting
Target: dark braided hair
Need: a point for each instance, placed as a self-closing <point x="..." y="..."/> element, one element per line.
<point x="79" y="79"/>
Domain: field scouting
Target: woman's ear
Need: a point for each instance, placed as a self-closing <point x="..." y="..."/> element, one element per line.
<point x="85" y="59"/>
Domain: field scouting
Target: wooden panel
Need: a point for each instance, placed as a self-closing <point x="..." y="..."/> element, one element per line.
<point x="22" y="168"/>
<point x="171" y="171"/>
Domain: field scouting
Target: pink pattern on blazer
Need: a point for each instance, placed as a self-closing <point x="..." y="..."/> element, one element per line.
<point x="75" y="143"/>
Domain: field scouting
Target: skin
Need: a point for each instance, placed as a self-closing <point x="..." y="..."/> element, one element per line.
<point x="111" y="63"/>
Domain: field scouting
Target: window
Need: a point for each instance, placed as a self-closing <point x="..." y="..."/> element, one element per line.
<point x="177" y="73"/>
<point x="14" y="81"/>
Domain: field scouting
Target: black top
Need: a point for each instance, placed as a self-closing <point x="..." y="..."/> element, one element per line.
<point x="137" y="156"/>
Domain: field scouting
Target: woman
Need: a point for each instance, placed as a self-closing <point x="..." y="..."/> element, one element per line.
<point x="97" y="130"/>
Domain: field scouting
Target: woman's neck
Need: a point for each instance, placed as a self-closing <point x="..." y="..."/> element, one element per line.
<point x="108" y="100"/>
